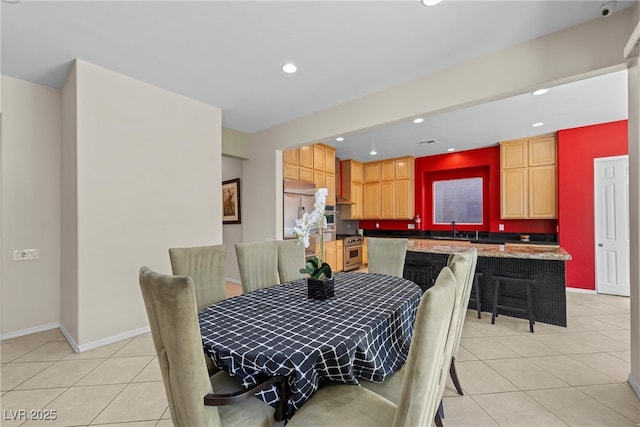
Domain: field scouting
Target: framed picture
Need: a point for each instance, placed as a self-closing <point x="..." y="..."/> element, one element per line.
<point x="231" y="201"/>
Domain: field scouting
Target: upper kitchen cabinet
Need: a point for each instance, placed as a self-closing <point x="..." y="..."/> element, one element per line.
<point x="312" y="163"/>
<point x="528" y="178"/>
<point x="389" y="189"/>
<point x="290" y="164"/>
<point x="351" y="176"/>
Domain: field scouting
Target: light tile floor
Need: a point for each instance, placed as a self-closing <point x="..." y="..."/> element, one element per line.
<point x="555" y="377"/>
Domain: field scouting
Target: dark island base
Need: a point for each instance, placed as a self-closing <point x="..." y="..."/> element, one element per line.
<point x="550" y="302"/>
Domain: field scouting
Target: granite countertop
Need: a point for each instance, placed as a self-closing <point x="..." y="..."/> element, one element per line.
<point x="508" y="250"/>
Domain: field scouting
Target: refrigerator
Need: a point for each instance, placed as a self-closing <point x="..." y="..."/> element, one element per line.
<point x="299" y="197"/>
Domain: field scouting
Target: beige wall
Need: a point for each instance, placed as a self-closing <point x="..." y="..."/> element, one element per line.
<point x="148" y="178"/>
<point x="235" y="144"/>
<point x="31" y="139"/>
<point x="232" y="233"/>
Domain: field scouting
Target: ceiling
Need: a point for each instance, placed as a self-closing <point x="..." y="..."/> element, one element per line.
<point x="229" y="53"/>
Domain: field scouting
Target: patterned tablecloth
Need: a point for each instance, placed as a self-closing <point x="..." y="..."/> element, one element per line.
<point x="364" y="331"/>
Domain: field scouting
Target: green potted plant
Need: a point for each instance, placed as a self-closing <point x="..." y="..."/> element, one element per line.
<point x="320" y="282"/>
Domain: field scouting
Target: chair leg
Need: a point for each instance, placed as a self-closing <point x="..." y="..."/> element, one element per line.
<point x="494" y="311"/>
<point x="454" y="377"/>
<point x="530" y="307"/>
<point x="476" y="285"/>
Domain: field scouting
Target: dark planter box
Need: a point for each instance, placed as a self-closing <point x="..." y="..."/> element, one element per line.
<point x="320" y="289"/>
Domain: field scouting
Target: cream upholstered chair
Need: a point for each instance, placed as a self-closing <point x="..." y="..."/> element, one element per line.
<point x="348" y="405"/>
<point x="205" y="265"/>
<point x="290" y="260"/>
<point x="171" y="309"/>
<point x="386" y="255"/>
<point x="258" y="264"/>
<point x="471" y="257"/>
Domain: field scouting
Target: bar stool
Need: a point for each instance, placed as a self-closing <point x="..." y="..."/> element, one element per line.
<point x="515" y="281"/>
<point x="475" y="293"/>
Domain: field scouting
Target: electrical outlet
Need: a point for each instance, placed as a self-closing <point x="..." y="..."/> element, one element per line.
<point x="25" y="254"/>
<point x="501" y="227"/>
<point x="411" y="226"/>
<point x="377" y="225"/>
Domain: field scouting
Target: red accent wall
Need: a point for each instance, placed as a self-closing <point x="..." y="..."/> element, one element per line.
<point x="577" y="148"/>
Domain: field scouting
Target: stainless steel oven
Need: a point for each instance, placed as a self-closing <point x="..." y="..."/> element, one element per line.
<point x="352" y="252"/>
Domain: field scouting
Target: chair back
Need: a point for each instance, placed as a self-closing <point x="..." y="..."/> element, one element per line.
<point x="205" y="265"/>
<point x="171" y="308"/>
<point x="420" y="393"/>
<point x="290" y="260"/>
<point x="468" y="258"/>
<point x="258" y="264"/>
<point x="386" y="256"/>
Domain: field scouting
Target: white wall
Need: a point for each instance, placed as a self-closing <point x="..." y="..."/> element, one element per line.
<point x="232" y="233"/>
<point x="31" y="138"/>
<point x="148" y="178"/>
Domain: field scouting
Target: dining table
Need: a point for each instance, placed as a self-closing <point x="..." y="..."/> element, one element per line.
<point x="364" y="331"/>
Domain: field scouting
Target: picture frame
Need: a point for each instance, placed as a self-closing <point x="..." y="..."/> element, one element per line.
<point x="231" y="213"/>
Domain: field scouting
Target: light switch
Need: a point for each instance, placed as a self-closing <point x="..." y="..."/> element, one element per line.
<point x="501" y="227"/>
<point x="26" y="254"/>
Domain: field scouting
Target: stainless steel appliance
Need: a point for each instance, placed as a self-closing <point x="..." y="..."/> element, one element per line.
<point x="352" y="252"/>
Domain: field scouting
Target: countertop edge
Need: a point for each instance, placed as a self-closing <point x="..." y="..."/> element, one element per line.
<point x="522" y="251"/>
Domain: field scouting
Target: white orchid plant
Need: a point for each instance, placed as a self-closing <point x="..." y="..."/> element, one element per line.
<point x="310" y="221"/>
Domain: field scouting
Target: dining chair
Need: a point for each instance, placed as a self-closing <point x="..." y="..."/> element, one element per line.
<point x="347" y="405"/>
<point x="171" y="308"/>
<point x="205" y="265"/>
<point x="470" y="257"/>
<point x="290" y="260"/>
<point x="258" y="264"/>
<point x="386" y="255"/>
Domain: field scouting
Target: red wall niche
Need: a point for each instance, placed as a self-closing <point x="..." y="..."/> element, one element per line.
<point x="577" y="149"/>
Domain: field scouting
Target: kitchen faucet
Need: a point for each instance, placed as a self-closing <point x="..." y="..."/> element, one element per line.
<point x="453" y="228"/>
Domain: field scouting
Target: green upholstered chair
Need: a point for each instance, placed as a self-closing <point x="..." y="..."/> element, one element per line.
<point x="205" y="265"/>
<point x="290" y="260"/>
<point x="349" y="405"/>
<point x="171" y="308"/>
<point x="386" y="256"/>
<point x="258" y="264"/>
<point x="471" y="258"/>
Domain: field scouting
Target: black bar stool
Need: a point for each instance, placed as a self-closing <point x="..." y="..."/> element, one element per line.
<point x="515" y="281"/>
<point x="475" y="293"/>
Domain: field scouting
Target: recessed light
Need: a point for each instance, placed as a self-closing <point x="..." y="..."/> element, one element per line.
<point x="430" y="2"/>
<point x="289" y="68"/>
<point x="339" y="139"/>
<point x="540" y="92"/>
<point x="373" y="152"/>
<point x="451" y="149"/>
<point x="537" y="125"/>
<point x="418" y="120"/>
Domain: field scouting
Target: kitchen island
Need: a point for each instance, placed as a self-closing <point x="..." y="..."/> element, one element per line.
<point x="544" y="263"/>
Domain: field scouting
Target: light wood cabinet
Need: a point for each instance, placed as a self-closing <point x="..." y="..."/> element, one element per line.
<point x="298" y="163"/>
<point x="330" y="160"/>
<point x="393" y="196"/>
<point x="339" y="255"/>
<point x="305" y="156"/>
<point x="318" y="157"/>
<point x="305" y="174"/>
<point x="289" y="171"/>
<point x="528" y="178"/>
<point x="365" y="256"/>
<point x="352" y="189"/>
<point x="290" y="156"/>
<point x="318" y="179"/>
<point x="330" y="183"/>
<point x="330" y="255"/>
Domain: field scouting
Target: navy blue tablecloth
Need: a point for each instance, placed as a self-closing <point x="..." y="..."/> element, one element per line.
<point x="363" y="332"/>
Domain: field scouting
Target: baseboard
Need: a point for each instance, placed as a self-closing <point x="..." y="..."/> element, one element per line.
<point x="234" y="281"/>
<point x="581" y="291"/>
<point x="634" y="385"/>
<point x="69" y="338"/>
<point x="111" y="339"/>
<point x="29" y="331"/>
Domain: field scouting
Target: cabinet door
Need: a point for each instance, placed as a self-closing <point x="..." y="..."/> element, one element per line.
<point x="339" y="255"/>
<point x="513" y="193"/>
<point x="356" y="171"/>
<point x="365" y="255"/>
<point x="387" y="168"/>
<point x="513" y="154"/>
<point x="289" y="171"/>
<point x="305" y="156"/>
<point x="543" y="192"/>
<point x="318" y="179"/>
<point x="356" y="197"/>
<point x="329" y="160"/>
<point x="305" y="174"/>
<point x="404" y="199"/>
<point x="290" y="156"/>
<point x="330" y="183"/>
<point x="404" y="168"/>
<point x="330" y="255"/>
<point x="318" y="157"/>
<point x="371" y="202"/>
<point x="387" y="200"/>
<point x="372" y="172"/>
<point x="542" y="151"/>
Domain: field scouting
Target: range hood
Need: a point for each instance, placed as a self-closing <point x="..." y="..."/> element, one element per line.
<point x="340" y="199"/>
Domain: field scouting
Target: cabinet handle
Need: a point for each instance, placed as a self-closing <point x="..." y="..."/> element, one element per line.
<point x="600" y="245"/>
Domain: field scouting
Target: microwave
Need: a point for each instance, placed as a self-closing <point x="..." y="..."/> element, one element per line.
<point x="330" y="213"/>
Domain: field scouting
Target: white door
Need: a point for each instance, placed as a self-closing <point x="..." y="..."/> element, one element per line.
<point x="612" y="225"/>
